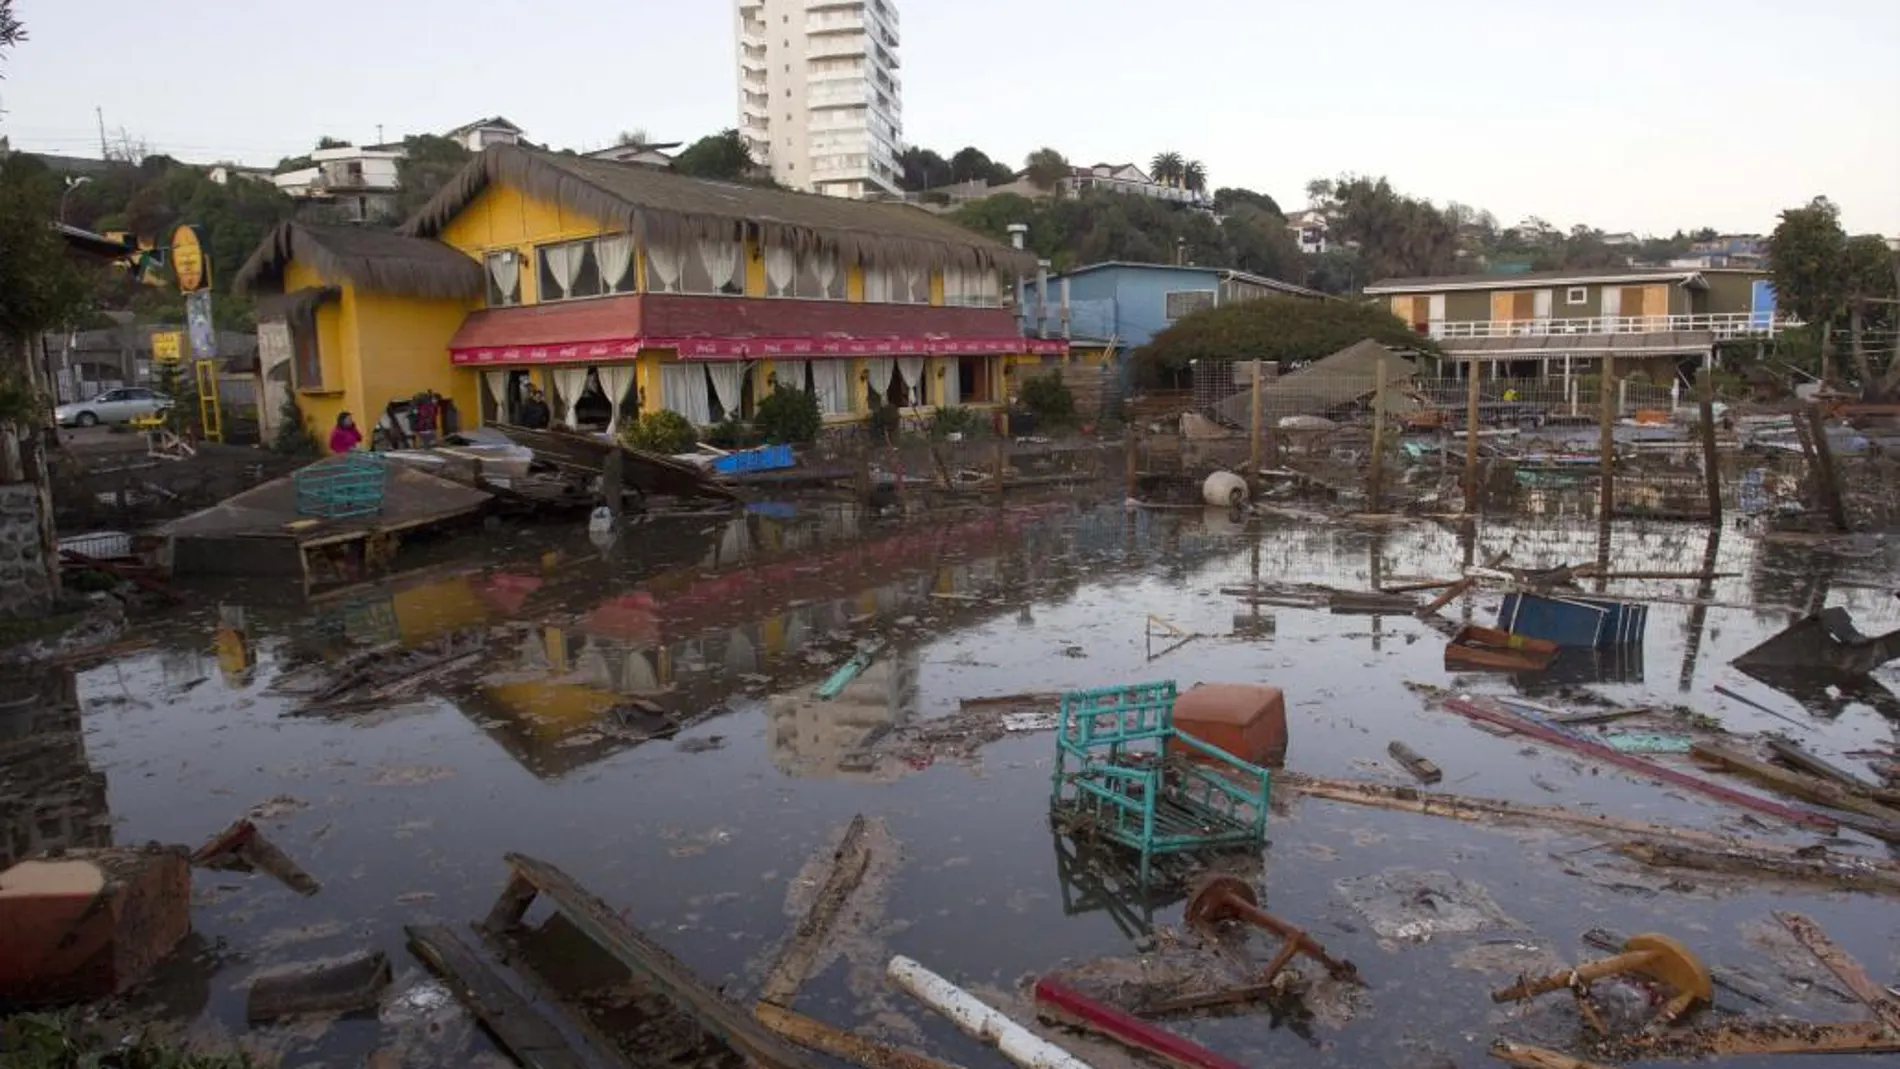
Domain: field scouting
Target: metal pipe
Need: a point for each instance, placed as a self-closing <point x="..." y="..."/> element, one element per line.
<point x="978" y="1020"/>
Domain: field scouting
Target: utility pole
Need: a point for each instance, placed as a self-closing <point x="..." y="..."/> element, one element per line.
<point x="101" y="113"/>
<point x="379" y="133"/>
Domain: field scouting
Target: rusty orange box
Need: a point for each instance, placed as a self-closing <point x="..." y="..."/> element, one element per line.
<point x="90" y="923"/>
<point x="1247" y="720"/>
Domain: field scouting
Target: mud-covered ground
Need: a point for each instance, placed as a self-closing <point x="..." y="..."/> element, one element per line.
<point x="562" y="739"/>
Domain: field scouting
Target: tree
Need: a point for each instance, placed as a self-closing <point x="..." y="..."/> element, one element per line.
<point x="429" y="162"/>
<point x="327" y="142"/>
<point x="636" y="136"/>
<point x="922" y="169"/>
<point x="1227" y="198"/>
<point x="1396" y="235"/>
<point x="972" y="164"/>
<point x="722" y="155"/>
<point x="1194" y="176"/>
<point x="1824" y="278"/>
<point x="1166" y="168"/>
<point x="1046" y="167"/>
<point x="1286" y="329"/>
<point x="11" y="31"/>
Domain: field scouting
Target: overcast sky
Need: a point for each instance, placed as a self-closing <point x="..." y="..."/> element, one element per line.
<point x="1642" y="115"/>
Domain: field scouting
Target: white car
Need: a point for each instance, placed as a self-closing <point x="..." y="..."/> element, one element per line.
<point x="113" y="406"/>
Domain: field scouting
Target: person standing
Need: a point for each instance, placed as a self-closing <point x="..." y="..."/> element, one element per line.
<point x="344" y="436"/>
<point x="426" y="413"/>
<point x="534" y="411"/>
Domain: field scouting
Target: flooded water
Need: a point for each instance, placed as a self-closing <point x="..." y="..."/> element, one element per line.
<point x="541" y="745"/>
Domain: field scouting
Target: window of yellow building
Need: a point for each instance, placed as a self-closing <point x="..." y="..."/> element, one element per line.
<point x="972" y="287"/>
<point x="711" y="267"/>
<point x="896" y="285"/>
<point x="814" y="275"/>
<point x="504" y="278"/>
<point x="588" y="268"/>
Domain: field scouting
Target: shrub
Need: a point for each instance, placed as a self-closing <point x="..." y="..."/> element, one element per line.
<point x="788" y="415"/>
<point x="1051" y="400"/>
<point x="664" y="432"/>
<point x="884" y="421"/>
<point x="46" y="1041"/>
<point x="293" y="438"/>
<point x="955" y="419"/>
<point x="731" y="433"/>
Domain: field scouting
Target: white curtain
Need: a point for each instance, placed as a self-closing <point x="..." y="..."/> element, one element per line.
<point x="790" y="373"/>
<point x="497" y="385"/>
<point x="683" y="390"/>
<point x="880" y="368"/>
<point x="916" y="285"/>
<point x="568" y="384"/>
<point x="912" y="368"/>
<point x="728" y="381"/>
<point x="950" y="386"/>
<point x="614" y="380"/>
<point x="735" y="542"/>
<point x="564" y="263"/>
<point x="721" y="261"/>
<point x="506" y="271"/>
<point x="827" y="271"/>
<point x="780" y="268"/>
<point x="877" y="285"/>
<point x="663" y="268"/>
<point x="615" y="254"/>
<point x="831" y="380"/>
<point x="639" y="677"/>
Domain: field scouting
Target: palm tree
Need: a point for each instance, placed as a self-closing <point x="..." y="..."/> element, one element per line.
<point x="1166" y="168"/>
<point x="1194" y="176"/>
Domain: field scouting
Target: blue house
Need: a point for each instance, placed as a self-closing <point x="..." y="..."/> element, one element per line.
<point x="1129" y="303"/>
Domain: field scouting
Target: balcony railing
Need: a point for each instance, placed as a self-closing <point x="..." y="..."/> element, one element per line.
<point x="1723" y="325"/>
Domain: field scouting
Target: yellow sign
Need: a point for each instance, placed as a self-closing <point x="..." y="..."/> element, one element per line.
<point x="168" y="346"/>
<point x="190" y="262"/>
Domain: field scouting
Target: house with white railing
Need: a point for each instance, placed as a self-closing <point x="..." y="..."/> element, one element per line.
<point x="1540" y="317"/>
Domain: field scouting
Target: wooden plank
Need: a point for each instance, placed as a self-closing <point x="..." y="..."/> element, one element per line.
<point x="848" y="863"/>
<point x="1629" y="762"/>
<point x="1794" y="756"/>
<point x="1763" y="1037"/>
<point x="1834" y="870"/>
<point x="530" y="1037"/>
<point x="821" y="1037"/>
<point x="1601" y="716"/>
<point x="1881" y="824"/>
<point x="1885" y="1006"/>
<point x="347" y="985"/>
<point x="512" y="905"/>
<point x="1417" y="765"/>
<point x="1528" y="1057"/>
<point x="662" y="970"/>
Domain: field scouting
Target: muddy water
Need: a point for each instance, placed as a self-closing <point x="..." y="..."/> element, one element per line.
<point x="403" y="812"/>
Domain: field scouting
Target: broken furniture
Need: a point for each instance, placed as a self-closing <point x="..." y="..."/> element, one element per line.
<point x="90" y="923"/>
<point x="1656" y="957"/>
<point x="1066" y="1006"/>
<point x="1573" y="621"/>
<point x="1125" y="775"/>
<point x="586" y="456"/>
<point x="1476" y="648"/>
<point x="1247" y="720"/>
<point x="1227" y="898"/>
<point x="1826" y="641"/>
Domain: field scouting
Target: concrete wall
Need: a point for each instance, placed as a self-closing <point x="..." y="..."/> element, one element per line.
<point x="26" y="583"/>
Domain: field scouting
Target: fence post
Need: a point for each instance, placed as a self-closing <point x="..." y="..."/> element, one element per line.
<point x="1376" y="473"/>
<point x="1253" y="451"/>
<point x="1606" y="439"/>
<point x="1712" y="471"/>
<point x="1130" y="462"/>
<point x="1002" y="461"/>
<point x="1824" y="463"/>
<point x="1473" y="504"/>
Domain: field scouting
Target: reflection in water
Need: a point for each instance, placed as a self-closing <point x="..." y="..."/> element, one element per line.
<point x="50" y="796"/>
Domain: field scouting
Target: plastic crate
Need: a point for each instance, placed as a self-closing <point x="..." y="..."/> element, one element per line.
<point x="343" y="486"/>
<point x="764" y="458"/>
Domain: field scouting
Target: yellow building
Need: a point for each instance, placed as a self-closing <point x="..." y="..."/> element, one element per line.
<point x="620" y="288"/>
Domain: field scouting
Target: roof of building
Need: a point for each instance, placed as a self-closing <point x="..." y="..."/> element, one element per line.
<point x="1224" y="272"/>
<point x="1546" y="346"/>
<point x="376" y="260"/>
<point x="493" y="122"/>
<point x="1574" y="276"/>
<point x="1326" y="384"/>
<point x="658" y="204"/>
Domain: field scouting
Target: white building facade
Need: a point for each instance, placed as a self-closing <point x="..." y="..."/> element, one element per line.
<point x="820" y="100"/>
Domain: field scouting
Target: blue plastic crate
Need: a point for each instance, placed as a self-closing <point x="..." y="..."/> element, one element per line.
<point x="352" y="484"/>
<point x="764" y="458"/>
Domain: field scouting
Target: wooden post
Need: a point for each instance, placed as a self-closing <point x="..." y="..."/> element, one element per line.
<point x="611" y="480"/>
<point x="1131" y="463"/>
<point x="1253" y="452"/>
<point x="1001" y="462"/>
<point x="1606" y="439"/>
<point x="1824" y="465"/>
<point x="1376" y="473"/>
<point x="1473" y="503"/>
<point x="1711" y="470"/>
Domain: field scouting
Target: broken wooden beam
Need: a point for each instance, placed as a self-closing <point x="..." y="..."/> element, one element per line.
<point x="1067" y="1006"/>
<point x="1885" y="1006"/>
<point x="1761" y="1037"/>
<point x="1601" y="716"/>
<point x="346" y="985"/>
<point x="1363" y="603"/>
<point x="1629" y="762"/>
<point x="1528" y="1057"/>
<point x="1833" y="869"/>
<point x="848" y="863"/>
<point x="1880" y="821"/>
<point x="1045" y="699"/>
<point x="523" y="1030"/>
<point x="1792" y="755"/>
<point x="848" y="1046"/>
<point x="1417" y="765"/>
<point x="242" y="846"/>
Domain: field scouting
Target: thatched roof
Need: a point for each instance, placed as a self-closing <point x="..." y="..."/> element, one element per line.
<point x="663" y="206"/>
<point x="376" y="260"/>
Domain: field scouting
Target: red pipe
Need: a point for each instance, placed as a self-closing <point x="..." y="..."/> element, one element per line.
<point x="1793" y="815"/>
<point x="1072" y="1007"/>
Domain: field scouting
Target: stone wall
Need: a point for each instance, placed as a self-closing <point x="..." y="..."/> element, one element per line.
<point x="26" y="582"/>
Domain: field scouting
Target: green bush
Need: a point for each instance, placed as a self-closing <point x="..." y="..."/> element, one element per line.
<point x="788" y="416"/>
<point x="731" y="433"/>
<point x="293" y="438"/>
<point x="1051" y="400"/>
<point x="955" y="419"/>
<point x="46" y="1041"/>
<point x="664" y="431"/>
<point x="884" y="421"/>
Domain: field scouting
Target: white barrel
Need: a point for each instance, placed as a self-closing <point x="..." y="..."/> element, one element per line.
<point x="1224" y="489"/>
<point x="979" y="1020"/>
